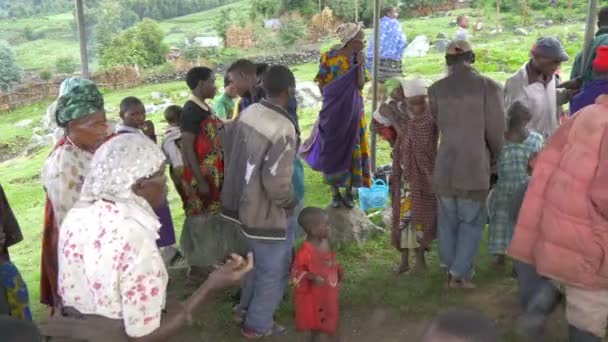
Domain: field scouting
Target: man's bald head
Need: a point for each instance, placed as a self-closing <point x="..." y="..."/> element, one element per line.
<point x="461" y="326"/>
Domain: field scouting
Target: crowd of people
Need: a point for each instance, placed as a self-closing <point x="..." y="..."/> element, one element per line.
<point x="462" y="157"/>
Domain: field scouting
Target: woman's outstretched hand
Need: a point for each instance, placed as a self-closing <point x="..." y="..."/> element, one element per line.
<point x="231" y="273"/>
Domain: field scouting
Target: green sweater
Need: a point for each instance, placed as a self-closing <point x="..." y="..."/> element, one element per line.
<point x="601" y="38"/>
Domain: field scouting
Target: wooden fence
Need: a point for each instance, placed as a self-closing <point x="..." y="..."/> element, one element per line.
<point x="116" y="78"/>
<point x="27" y="94"/>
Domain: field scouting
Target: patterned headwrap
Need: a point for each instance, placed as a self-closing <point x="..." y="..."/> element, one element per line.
<point x="78" y="98"/>
<point x="391" y="84"/>
<point x="348" y="31"/>
<point x="118" y="164"/>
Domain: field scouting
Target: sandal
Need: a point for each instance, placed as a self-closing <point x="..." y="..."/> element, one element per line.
<point x="336" y="201"/>
<point x="276" y="330"/>
<point x="349" y="201"/>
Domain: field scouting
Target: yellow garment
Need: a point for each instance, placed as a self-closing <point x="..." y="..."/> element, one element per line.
<point x="409" y="236"/>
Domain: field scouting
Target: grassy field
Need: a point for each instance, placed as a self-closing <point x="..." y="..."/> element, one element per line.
<point x="376" y="304"/>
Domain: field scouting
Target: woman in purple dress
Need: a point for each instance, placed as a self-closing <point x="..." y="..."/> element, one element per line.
<point x="133" y="115"/>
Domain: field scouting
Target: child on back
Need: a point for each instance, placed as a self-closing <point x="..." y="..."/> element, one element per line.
<point x="171" y="145"/>
<point x="133" y="115"/>
<point x="520" y="145"/>
<point x="316" y="275"/>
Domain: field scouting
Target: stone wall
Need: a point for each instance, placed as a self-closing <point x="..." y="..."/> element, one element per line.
<point x="289" y="59"/>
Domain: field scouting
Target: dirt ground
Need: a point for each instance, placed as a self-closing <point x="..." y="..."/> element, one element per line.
<point x="360" y="324"/>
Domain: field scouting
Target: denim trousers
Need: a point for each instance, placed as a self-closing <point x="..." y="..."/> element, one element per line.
<point x="460" y="227"/>
<point x="264" y="287"/>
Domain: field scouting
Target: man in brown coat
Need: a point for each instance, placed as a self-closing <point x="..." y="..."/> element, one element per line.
<point x="470" y="116"/>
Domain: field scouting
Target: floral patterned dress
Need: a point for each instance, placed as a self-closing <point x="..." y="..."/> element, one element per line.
<point x="109" y="264"/>
<point x="332" y="67"/>
<point x="62" y="176"/>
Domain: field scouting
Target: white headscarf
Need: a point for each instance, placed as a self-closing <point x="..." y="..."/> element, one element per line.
<point x="414" y="87"/>
<point x="118" y="164"/>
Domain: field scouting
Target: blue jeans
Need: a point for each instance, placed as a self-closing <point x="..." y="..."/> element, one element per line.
<point x="460" y="227"/>
<point x="264" y="287"/>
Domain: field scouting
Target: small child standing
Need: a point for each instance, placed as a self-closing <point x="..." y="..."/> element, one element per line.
<point x="316" y="276"/>
<point x="512" y="166"/>
<point x="414" y="160"/>
<point x="133" y="115"/>
<point x="171" y="145"/>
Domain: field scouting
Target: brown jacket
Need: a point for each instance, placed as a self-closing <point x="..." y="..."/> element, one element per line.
<point x="471" y="120"/>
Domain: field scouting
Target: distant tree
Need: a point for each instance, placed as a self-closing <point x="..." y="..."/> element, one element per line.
<point x="305" y="7"/>
<point x="66" y="65"/>
<point x="292" y="29"/>
<point x="223" y="22"/>
<point x="10" y="71"/>
<point x="46" y="75"/>
<point x="140" y="45"/>
<point x="264" y="8"/>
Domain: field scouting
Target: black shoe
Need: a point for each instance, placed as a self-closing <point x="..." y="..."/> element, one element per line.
<point x="349" y="201"/>
<point x="336" y="201"/>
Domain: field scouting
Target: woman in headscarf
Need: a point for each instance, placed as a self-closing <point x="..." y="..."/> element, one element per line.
<point x="338" y="145"/>
<point x="414" y="160"/>
<point x="80" y="112"/>
<point x="112" y="279"/>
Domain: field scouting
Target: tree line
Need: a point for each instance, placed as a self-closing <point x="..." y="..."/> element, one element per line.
<point x="155" y="9"/>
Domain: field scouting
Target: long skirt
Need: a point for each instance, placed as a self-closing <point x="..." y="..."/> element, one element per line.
<point x="208" y="239"/>
<point x="389" y="68"/>
<point x="359" y="175"/>
<point x="167" y="231"/>
<point x="72" y="326"/>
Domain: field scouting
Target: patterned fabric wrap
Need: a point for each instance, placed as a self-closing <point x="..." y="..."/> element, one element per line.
<point x="414" y="159"/>
<point x="209" y="151"/>
<point x="79" y="98"/>
<point x="392" y="41"/>
<point x="332" y="67"/>
<point x="16" y="291"/>
<point x="512" y="175"/>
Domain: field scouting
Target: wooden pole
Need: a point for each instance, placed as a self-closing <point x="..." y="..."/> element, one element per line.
<point x="523" y="16"/>
<point x="570" y="7"/>
<point x="375" y="73"/>
<point x="589" y="33"/>
<point x="497" y="16"/>
<point x="82" y="38"/>
<point x="356" y="11"/>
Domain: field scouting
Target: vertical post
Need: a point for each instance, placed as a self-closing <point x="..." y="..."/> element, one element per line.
<point x="523" y="16"/>
<point x="375" y="73"/>
<point x="497" y="15"/>
<point x="356" y="11"/>
<point x="82" y="38"/>
<point x="589" y="33"/>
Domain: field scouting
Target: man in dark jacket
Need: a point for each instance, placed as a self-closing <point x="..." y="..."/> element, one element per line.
<point x="258" y="192"/>
<point x="470" y="117"/>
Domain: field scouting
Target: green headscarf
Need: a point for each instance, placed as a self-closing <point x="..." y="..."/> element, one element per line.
<point x="77" y="98"/>
<point x="391" y="84"/>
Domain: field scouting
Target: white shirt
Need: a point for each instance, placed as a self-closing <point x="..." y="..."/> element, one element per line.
<point x="109" y="264"/>
<point x="461" y="34"/>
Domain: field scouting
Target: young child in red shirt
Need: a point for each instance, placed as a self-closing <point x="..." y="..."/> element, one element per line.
<point x="316" y="276"/>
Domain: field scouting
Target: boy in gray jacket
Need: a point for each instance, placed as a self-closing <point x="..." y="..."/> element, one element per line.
<point x="259" y="150"/>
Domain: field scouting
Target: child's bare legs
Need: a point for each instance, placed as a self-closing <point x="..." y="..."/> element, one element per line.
<point x="404" y="267"/>
<point x="420" y="265"/>
<point x="315" y="336"/>
<point x="500" y="260"/>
